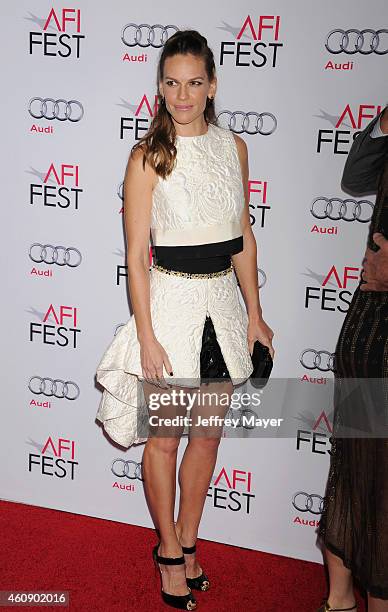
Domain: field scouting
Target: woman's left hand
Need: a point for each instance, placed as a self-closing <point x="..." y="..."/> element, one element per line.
<point x="259" y="330"/>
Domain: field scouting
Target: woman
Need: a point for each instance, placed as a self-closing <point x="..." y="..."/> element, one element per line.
<point x="186" y="181"/>
<point x="353" y="528"/>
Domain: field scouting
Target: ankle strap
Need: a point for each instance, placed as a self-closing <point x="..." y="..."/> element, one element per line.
<point x="170" y="560"/>
<point x="188" y="550"/>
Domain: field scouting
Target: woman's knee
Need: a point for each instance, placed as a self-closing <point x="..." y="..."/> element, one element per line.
<point x="205" y="444"/>
<point x="166" y="446"/>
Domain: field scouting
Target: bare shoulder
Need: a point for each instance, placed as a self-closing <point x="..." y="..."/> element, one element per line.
<point x="136" y="159"/>
<point x="138" y="167"/>
<point x="241" y="146"/>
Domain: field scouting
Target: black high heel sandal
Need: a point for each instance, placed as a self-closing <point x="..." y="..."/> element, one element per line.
<point x="327" y="608"/>
<point x="201" y="583"/>
<point x="182" y="602"/>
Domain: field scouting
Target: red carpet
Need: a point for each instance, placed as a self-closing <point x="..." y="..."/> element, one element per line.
<point x="107" y="566"/>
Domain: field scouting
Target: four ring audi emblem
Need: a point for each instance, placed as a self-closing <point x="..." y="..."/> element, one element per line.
<point x="248" y="123"/>
<point x="305" y="502"/>
<point x="54" y="387"/>
<point x="145" y="35"/>
<point x="48" y="108"/>
<point x="347" y="210"/>
<point x="50" y="254"/>
<point x="352" y="41"/>
<point x="126" y="469"/>
<point x="320" y="360"/>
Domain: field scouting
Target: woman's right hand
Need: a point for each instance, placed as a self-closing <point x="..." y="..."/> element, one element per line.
<point x="152" y="358"/>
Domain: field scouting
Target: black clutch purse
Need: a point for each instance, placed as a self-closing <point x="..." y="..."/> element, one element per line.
<point x="262" y="365"/>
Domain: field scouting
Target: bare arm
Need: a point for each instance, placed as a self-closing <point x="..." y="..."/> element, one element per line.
<point x="366" y="159"/>
<point x="138" y="187"/>
<point x="245" y="264"/>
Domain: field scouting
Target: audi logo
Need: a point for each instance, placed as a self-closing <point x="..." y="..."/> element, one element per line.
<point x="50" y="254"/>
<point x="356" y="41"/>
<point x="54" y="387"/>
<point x="248" y="123"/>
<point x="320" y="360"/>
<point x="305" y="502"/>
<point x="50" y="109"/>
<point x="145" y="35"/>
<point x="126" y="469"/>
<point x="347" y="210"/>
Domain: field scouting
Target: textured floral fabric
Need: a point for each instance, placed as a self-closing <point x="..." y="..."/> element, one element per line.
<point x="204" y="195"/>
<point x="179" y="307"/>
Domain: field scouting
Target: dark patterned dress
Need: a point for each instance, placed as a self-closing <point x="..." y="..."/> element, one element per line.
<point x="354" y="524"/>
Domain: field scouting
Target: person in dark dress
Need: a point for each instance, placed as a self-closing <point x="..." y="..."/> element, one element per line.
<point x="353" y="528"/>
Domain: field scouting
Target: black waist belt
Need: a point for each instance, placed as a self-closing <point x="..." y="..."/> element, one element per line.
<point x="200" y="265"/>
<point x="198" y="258"/>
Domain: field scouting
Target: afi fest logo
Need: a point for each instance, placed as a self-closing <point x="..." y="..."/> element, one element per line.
<point x="345" y="127"/>
<point x="59" y="187"/>
<point x="60" y="36"/>
<point x="333" y="293"/>
<point x="143" y="113"/>
<point x="258" y="201"/>
<point x="316" y="439"/>
<point x="256" y="42"/>
<point x="63" y="333"/>
<point x="232" y="490"/>
<point x="55" y="459"/>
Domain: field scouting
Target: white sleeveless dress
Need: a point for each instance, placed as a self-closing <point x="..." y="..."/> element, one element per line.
<point x="201" y="202"/>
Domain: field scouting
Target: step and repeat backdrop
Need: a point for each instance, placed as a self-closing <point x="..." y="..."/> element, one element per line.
<point x="297" y="81"/>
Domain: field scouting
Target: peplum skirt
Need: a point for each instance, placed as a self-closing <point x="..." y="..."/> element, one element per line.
<point x="198" y="320"/>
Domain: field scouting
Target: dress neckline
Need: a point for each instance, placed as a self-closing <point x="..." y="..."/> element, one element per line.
<point x="200" y="136"/>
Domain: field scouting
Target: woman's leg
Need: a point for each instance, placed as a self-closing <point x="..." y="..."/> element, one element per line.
<point x="197" y="466"/>
<point x="159" y="474"/>
<point x="341" y="593"/>
<point x="377" y="605"/>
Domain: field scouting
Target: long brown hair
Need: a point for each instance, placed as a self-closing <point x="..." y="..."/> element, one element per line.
<point x="158" y="144"/>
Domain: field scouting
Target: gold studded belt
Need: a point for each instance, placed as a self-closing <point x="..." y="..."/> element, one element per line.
<point x="193" y="274"/>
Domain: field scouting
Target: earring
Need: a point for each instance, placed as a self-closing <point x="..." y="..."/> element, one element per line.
<point x="162" y="100"/>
